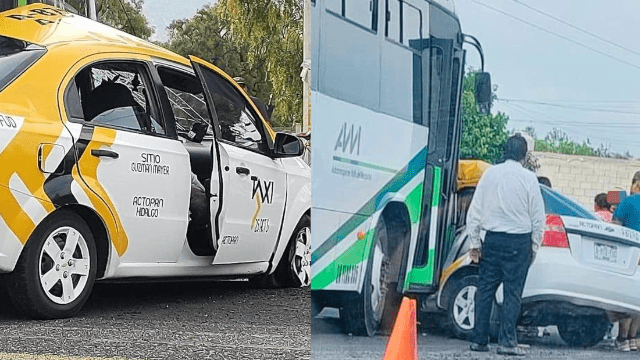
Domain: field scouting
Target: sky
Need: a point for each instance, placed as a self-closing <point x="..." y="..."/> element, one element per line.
<point x="587" y="94"/>
<point x="161" y="12"/>
<point x="593" y="96"/>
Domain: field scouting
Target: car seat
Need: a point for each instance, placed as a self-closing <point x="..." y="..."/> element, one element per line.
<point x="108" y="96"/>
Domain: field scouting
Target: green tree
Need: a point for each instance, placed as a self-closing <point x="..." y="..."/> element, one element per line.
<point x="260" y="40"/>
<point x="558" y="141"/>
<point x="124" y="15"/>
<point x="483" y="136"/>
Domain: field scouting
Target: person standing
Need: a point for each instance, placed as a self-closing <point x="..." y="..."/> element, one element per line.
<point x="627" y="214"/>
<point x="508" y="205"/>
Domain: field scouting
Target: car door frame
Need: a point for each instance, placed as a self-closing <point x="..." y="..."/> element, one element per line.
<point x="110" y="217"/>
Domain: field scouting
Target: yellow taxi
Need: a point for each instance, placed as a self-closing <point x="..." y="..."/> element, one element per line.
<point x="102" y="135"/>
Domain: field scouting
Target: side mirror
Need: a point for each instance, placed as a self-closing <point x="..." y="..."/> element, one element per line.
<point x="287" y="145"/>
<point x="483" y="92"/>
<point x="615" y="197"/>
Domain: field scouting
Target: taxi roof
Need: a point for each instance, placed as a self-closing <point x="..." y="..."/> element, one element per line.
<point x="48" y="26"/>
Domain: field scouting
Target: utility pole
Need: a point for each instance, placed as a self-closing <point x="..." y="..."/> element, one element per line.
<point x="306" y="68"/>
<point x="91" y="7"/>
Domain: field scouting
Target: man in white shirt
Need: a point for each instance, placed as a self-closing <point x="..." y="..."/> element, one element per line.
<point x="508" y="205"/>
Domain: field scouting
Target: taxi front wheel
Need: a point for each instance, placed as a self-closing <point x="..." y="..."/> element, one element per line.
<point x="56" y="270"/>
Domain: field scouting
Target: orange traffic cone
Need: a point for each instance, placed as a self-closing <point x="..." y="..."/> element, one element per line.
<point x="403" y="343"/>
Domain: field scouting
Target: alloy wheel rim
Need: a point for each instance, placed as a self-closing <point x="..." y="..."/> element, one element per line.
<point x="64" y="265"/>
<point x="464" y="308"/>
<point x="302" y="257"/>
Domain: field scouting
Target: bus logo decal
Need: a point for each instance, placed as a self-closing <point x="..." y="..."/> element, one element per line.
<point x="349" y="139"/>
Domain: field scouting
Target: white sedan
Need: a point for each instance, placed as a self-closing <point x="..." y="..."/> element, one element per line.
<point x="585" y="270"/>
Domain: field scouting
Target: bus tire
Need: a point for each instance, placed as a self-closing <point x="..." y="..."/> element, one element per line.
<point x="56" y="270"/>
<point x="363" y="315"/>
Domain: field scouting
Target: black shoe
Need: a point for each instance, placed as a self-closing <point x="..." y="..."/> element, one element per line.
<point x="479" y="347"/>
<point x="502" y="350"/>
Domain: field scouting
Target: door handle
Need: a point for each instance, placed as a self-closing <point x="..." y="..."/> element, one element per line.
<point x="106" y="153"/>
<point x="242" y="170"/>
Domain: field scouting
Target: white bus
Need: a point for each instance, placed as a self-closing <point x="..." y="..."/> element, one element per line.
<point x="385" y="98"/>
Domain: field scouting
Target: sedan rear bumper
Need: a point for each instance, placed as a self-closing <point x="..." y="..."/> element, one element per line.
<point x="556" y="276"/>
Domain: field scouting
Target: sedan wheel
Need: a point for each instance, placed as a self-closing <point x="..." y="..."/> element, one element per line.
<point x="301" y="262"/>
<point x="64" y="265"/>
<point x="56" y="269"/>
<point x="464" y="308"/>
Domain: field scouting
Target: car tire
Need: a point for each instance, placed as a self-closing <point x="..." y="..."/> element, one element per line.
<point x="53" y="276"/>
<point x="583" y="331"/>
<point x="460" y="316"/>
<point x="460" y="319"/>
<point x="362" y="314"/>
<point x="294" y="268"/>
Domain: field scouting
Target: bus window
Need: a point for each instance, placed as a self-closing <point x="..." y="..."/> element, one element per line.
<point x="411" y="25"/>
<point x="360" y="12"/>
<point x="392" y="28"/>
<point x="455" y="80"/>
<point x="437" y="75"/>
<point x="404" y="24"/>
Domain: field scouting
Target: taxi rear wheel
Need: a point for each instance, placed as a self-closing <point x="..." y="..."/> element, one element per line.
<point x="56" y="270"/>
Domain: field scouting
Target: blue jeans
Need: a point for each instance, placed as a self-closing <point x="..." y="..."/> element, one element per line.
<point x="505" y="259"/>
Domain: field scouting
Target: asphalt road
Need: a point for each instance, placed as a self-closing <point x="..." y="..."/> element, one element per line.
<point x="176" y="320"/>
<point x="329" y="343"/>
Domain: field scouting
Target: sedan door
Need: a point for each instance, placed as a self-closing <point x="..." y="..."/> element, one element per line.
<point x="253" y="184"/>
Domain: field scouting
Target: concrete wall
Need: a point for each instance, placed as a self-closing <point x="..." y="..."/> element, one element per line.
<point x="583" y="177"/>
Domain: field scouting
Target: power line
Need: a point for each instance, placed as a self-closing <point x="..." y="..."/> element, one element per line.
<point x="571" y="107"/>
<point x="556" y="34"/>
<point x="637" y="102"/>
<point x="133" y="30"/>
<point x="577" y="28"/>
<point x="550" y="120"/>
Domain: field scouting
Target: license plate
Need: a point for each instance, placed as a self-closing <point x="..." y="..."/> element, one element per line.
<point x="603" y="252"/>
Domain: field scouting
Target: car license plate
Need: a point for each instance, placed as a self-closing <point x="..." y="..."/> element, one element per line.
<point x="603" y="252"/>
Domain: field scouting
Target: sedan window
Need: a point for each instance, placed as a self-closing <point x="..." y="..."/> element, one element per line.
<point x="556" y="203"/>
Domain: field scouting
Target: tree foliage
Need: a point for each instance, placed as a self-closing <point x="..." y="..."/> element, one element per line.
<point x="260" y="40"/>
<point x="557" y="141"/>
<point x="483" y="136"/>
<point x="125" y="15"/>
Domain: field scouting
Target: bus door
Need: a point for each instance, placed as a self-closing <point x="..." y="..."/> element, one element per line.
<point x="442" y="62"/>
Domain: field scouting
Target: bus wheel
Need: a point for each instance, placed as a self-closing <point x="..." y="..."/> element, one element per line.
<point x="56" y="270"/>
<point x="363" y="315"/>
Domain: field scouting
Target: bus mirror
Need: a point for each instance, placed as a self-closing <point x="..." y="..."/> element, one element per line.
<point x="483" y="92"/>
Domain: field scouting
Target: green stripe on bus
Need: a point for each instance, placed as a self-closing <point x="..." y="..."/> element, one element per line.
<point x="437" y="184"/>
<point x="22" y="2"/>
<point x="413" y="168"/>
<point x="414" y="203"/>
<point x="423" y="275"/>
<point x="363" y="164"/>
<point x="356" y="253"/>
